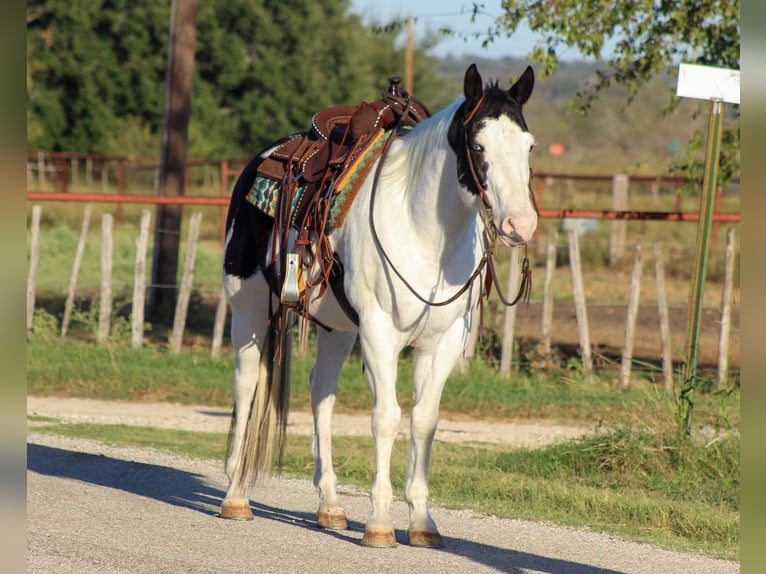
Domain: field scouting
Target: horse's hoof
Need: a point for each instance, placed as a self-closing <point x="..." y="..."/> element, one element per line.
<point x="236" y="510"/>
<point x="332" y="519"/>
<point x="425" y="538"/>
<point x="378" y="538"/>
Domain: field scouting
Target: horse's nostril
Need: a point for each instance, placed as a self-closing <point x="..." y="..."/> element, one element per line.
<point x="507" y="226"/>
<point x="521" y="228"/>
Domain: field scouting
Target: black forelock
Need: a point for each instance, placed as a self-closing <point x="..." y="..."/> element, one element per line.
<point x="498" y="102"/>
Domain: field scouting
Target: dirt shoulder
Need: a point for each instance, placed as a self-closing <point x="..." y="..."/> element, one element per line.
<point x="216" y="419"/>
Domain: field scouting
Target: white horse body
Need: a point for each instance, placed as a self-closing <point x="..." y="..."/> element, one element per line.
<point x="428" y="223"/>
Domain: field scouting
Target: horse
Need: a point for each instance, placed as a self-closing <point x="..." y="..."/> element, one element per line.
<point x="413" y="251"/>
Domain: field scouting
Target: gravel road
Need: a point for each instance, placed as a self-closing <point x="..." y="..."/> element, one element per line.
<point x="93" y="508"/>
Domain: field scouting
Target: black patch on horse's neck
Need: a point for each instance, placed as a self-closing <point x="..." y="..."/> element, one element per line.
<point x="497" y="102"/>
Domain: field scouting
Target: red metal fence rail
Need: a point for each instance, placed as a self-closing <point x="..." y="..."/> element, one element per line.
<point x="62" y="162"/>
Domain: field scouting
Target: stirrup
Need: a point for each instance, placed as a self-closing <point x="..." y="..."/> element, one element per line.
<point x="291" y="286"/>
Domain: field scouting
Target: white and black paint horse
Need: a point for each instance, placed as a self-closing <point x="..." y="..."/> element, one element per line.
<point x="439" y="186"/>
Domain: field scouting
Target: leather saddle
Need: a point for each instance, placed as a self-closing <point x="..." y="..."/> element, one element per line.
<point x="314" y="160"/>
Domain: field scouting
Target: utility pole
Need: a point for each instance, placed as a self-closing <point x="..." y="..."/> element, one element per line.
<point x="178" y="86"/>
<point x="408" y="55"/>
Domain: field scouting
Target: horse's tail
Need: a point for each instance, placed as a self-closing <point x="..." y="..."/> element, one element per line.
<point x="263" y="444"/>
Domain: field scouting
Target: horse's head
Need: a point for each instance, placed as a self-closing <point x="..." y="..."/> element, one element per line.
<point x="492" y="143"/>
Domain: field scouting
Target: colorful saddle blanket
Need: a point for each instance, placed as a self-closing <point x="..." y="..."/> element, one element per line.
<point x="265" y="192"/>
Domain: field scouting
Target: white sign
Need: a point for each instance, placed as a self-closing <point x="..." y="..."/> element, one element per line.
<point x="708" y="83"/>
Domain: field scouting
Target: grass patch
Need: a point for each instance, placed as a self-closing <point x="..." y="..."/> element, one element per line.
<point x="69" y="367"/>
<point x="635" y="483"/>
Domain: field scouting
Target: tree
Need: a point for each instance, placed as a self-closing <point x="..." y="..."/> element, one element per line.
<point x="93" y="66"/>
<point x="96" y="72"/>
<point x="646" y="38"/>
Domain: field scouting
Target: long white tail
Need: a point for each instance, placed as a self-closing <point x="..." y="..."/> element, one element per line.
<point x="265" y="433"/>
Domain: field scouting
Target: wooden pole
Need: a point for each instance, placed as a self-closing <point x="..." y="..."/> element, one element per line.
<point x="408" y="54"/>
<point x="105" y="310"/>
<point x="630" y="324"/>
<point x="184" y="292"/>
<point x="581" y="308"/>
<point x="662" y="309"/>
<point x="139" y="281"/>
<point x="619" y="202"/>
<point x="34" y="260"/>
<point x="40" y="168"/>
<point x="104" y="178"/>
<point x="224" y="172"/>
<point x="514" y="271"/>
<point x="178" y="87"/>
<point x="220" y="321"/>
<point x="550" y="269"/>
<point x="76" y="269"/>
<point x="728" y="282"/>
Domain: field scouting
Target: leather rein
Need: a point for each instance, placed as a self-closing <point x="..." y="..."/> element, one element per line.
<point x="489" y="234"/>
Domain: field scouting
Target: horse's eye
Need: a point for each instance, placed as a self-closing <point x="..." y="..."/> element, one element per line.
<point x="477" y="147"/>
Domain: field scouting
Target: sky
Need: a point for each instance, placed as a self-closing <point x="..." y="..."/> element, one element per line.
<point x="455" y="14"/>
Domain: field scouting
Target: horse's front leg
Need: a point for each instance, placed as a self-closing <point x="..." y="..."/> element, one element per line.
<point x="333" y="347"/>
<point x="430" y="371"/>
<point x="380" y="359"/>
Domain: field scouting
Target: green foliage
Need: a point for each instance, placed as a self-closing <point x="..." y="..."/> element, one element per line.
<point x="96" y="72"/>
<point x="86" y="61"/>
<point x="45" y="325"/>
<point x="646" y="39"/>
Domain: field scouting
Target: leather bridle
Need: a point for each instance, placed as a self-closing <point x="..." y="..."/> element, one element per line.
<point x="489" y="234"/>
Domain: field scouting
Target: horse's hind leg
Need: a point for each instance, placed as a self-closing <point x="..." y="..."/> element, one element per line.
<point x="333" y="347"/>
<point x="249" y="324"/>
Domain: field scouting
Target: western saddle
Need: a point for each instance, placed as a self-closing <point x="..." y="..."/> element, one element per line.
<point x="311" y="164"/>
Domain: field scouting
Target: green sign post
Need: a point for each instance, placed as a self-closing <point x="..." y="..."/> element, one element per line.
<point x="717" y="85"/>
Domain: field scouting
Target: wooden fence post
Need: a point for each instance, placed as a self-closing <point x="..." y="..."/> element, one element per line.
<point x="550" y="269"/>
<point x="220" y="320"/>
<point x="74" y="170"/>
<point x="581" y="308"/>
<point x="630" y="324"/>
<point x="76" y="269"/>
<point x="723" y="340"/>
<point x="40" y="168"/>
<point x="509" y="322"/>
<point x="619" y="202"/>
<point x="184" y="293"/>
<point x="34" y="260"/>
<point x="104" y="177"/>
<point x="662" y="308"/>
<point x="105" y="310"/>
<point x="139" y="281"/>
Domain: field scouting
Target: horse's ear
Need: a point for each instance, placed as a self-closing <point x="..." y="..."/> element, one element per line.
<point x="472" y="86"/>
<point x="522" y="89"/>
